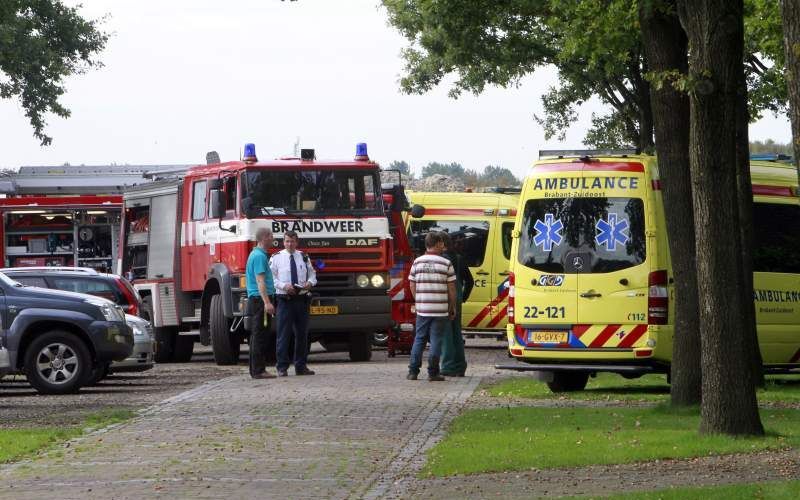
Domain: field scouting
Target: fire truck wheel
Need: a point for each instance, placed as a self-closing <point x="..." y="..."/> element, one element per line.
<point x="184" y="347"/>
<point x="568" y="381"/>
<point x="226" y="346"/>
<point x="165" y="342"/>
<point x="360" y="346"/>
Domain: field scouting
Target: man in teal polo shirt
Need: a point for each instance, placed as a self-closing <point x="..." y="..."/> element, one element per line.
<point x="260" y="289"/>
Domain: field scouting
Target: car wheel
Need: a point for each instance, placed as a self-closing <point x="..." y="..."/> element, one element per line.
<point x="225" y="345"/>
<point x="57" y="362"/>
<point x="568" y="381"/>
<point x="360" y="346"/>
<point x="99" y="372"/>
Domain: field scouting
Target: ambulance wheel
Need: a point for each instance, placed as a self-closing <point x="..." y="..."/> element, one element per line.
<point x="360" y="346"/>
<point x="568" y="381"/>
<point x="165" y="342"/>
<point x="184" y="348"/>
<point x="225" y="345"/>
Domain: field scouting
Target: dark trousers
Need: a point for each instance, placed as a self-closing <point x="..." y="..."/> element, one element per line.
<point x="292" y="323"/>
<point x="262" y="337"/>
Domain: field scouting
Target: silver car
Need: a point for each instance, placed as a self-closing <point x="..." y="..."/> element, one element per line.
<point x="141" y="359"/>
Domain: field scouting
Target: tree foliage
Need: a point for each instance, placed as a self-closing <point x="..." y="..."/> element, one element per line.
<point x="402" y="166"/>
<point x="451" y="169"/>
<point x="41" y="43"/>
<point x="594" y="44"/>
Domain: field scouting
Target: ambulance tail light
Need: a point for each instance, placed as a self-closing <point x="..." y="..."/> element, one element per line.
<point x="657" y="298"/>
<point x="510" y="298"/>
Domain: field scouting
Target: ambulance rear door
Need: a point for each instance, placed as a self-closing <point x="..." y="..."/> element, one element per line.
<point x="608" y="254"/>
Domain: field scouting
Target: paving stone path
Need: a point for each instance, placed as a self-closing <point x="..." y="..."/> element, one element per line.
<point x="351" y="431"/>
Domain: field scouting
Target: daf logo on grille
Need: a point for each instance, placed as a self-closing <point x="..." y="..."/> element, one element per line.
<point x="577" y="262"/>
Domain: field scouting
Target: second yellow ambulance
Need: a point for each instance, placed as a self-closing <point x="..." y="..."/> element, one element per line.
<point x="591" y="277"/>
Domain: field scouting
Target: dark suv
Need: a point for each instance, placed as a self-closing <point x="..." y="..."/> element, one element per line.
<point x="108" y="286"/>
<point x="58" y="338"/>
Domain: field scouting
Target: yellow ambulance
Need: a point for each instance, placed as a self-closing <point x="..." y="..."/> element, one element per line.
<point x="480" y="225"/>
<point x="591" y="284"/>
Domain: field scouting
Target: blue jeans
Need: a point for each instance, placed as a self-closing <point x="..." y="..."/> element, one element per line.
<point x="428" y="327"/>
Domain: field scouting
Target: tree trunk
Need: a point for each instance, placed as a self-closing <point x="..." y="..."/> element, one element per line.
<point x="715" y="31"/>
<point x="791" y="45"/>
<point x="745" y="197"/>
<point x="646" y="118"/>
<point x="665" y="49"/>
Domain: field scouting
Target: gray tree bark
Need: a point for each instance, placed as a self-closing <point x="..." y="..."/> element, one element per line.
<point x="665" y="48"/>
<point x="790" y="10"/>
<point x="715" y="30"/>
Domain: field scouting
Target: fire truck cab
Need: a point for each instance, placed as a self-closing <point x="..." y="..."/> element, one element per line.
<point x="187" y="236"/>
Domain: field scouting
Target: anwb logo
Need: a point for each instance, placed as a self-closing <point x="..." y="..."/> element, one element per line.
<point x="550" y="280"/>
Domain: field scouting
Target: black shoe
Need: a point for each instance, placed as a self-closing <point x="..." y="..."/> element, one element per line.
<point x="305" y="371"/>
<point x="436" y="378"/>
<point x="411" y="376"/>
<point x="282" y="373"/>
<point x="263" y="375"/>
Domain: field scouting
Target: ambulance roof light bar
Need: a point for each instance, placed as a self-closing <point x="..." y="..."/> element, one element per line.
<point x="584" y="153"/>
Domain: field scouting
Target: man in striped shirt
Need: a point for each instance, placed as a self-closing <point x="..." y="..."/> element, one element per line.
<point x="433" y="286"/>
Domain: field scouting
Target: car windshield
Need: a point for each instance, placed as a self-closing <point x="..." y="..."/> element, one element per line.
<point x="582" y="235"/>
<point x="281" y="192"/>
<point x="8" y="281"/>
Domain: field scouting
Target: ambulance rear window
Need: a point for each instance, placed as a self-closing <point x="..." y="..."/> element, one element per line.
<point x="582" y="235"/>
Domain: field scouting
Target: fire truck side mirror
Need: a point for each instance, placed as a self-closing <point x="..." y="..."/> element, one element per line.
<point x="217" y="204"/>
<point x="417" y="211"/>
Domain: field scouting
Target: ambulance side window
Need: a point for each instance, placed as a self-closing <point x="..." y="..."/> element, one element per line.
<point x="469" y="237"/>
<point x="198" y="200"/>
<point x="505" y="237"/>
<point x="776" y="238"/>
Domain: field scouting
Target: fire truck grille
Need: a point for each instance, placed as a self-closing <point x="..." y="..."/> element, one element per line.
<point x="368" y="261"/>
<point x="334" y="281"/>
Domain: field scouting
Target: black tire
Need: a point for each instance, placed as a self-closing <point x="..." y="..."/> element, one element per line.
<point x="164" y="344"/>
<point x="72" y="355"/>
<point x="225" y="345"/>
<point x="360" y="346"/>
<point x="99" y="372"/>
<point x="568" y="381"/>
<point x="183" y="349"/>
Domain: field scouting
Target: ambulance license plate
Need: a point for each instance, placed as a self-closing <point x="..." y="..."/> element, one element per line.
<point x="324" y="309"/>
<point x="548" y="337"/>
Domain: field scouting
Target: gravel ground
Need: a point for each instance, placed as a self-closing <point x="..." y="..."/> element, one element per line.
<point x="21" y="406"/>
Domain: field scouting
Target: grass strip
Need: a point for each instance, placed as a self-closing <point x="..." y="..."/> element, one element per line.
<point x="649" y="388"/>
<point x="20" y="443"/>
<point x="768" y="490"/>
<point x="521" y="438"/>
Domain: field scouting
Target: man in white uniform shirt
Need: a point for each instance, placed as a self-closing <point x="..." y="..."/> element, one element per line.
<point x="293" y="276"/>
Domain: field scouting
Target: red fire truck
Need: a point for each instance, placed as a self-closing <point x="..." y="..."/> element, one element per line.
<point x="187" y="235"/>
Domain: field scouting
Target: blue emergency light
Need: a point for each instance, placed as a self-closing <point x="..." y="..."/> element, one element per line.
<point x="250" y="152"/>
<point x="361" y="151"/>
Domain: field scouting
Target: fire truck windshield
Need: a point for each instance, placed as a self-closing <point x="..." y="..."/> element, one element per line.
<point x="282" y="192"/>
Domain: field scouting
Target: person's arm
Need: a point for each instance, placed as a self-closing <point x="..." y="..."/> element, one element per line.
<point x="467" y="280"/>
<point x="412" y="281"/>
<point x="264" y="293"/>
<point x="451" y="291"/>
<point x="451" y="299"/>
<point x="311" y="273"/>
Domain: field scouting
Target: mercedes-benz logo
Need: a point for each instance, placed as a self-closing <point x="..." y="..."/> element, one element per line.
<point x="577" y="262"/>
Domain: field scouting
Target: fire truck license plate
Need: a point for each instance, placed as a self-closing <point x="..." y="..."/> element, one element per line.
<point x="324" y="309"/>
<point x="548" y="337"/>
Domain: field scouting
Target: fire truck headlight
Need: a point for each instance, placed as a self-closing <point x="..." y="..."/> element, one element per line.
<point x="377" y="281"/>
<point x="362" y="281"/>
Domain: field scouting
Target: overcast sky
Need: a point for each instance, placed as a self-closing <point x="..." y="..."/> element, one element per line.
<point x="185" y="77"/>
